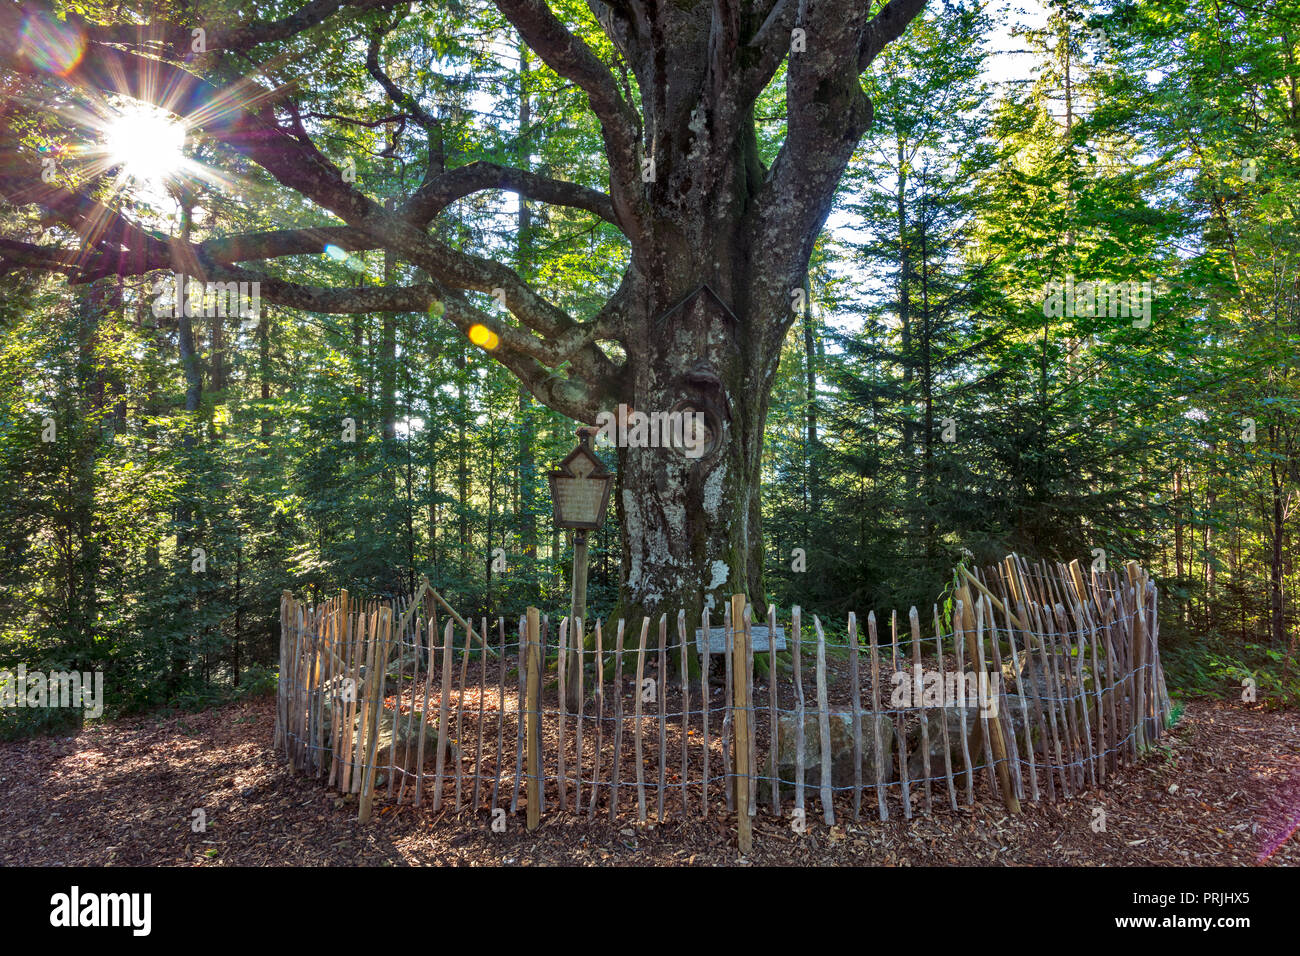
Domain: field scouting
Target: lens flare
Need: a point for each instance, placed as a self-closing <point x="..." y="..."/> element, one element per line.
<point x="338" y="254"/>
<point x="484" y="337"/>
<point x="49" y="44"/>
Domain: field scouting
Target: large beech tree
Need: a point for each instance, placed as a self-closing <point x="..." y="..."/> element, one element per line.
<point x="717" y="241"/>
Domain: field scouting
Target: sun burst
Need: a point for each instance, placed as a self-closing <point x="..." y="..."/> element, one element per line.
<point x="146" y="143"/>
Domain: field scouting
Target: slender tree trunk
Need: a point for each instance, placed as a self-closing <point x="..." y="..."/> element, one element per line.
<point x="527" y="491"/>
<point x="239" y="608"/>
<point x="462" y="456"/>
<point x="929" y="502"/>
<point x="264" y="371"/>
<point x="83" y="551"/>
<point x="193" y="401"/>
<point x="1211" y="502"/>
<point x="410" y="499"/>
<point x="1178" y="538"/>
<point x="432" y="469"/>
<point x="906" y="359"/>
<point x="1277" y="616"/>
<point x="218" y="359"/>
<point x="810" y="372"/>
<point x="491" y="502"/>
<point x="1238" y="574"/>
<point x="388" y="362"/>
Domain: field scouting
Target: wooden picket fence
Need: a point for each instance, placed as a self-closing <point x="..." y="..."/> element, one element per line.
<point x="370" y="700"/>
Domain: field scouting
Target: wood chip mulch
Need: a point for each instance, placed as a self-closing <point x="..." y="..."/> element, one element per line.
<point x="1222" y="789"/>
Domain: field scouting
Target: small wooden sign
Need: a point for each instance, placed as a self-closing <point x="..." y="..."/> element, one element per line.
<point x="580" y="488"/>
<point x="718" y="639"/>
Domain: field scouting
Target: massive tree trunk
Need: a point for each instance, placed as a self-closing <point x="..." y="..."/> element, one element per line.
<point x="690" y="525"/>
<point x="686" y="521"/>
<point x="720" y="244"/>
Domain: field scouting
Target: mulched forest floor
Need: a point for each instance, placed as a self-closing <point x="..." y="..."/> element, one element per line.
<point x="1223" y="788"/>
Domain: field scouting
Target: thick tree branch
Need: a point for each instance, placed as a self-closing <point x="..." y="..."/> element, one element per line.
<point x="276" y="243"/>
<point x="826" y="114"/>
<point x="433" y="196"/>
<point x="176" y="38"/>
<point x="17" y="254"/>
<point x="535" y="366"/>
<point x="768" y="47"/>
<point x="572" y="59"/>
<point x="885" y="27"/>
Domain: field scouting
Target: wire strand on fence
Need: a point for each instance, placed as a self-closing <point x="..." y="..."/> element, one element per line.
<point x="351" y="679"/>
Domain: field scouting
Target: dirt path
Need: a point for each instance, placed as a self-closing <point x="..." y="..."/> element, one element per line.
<point x="1226" y="788"/>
